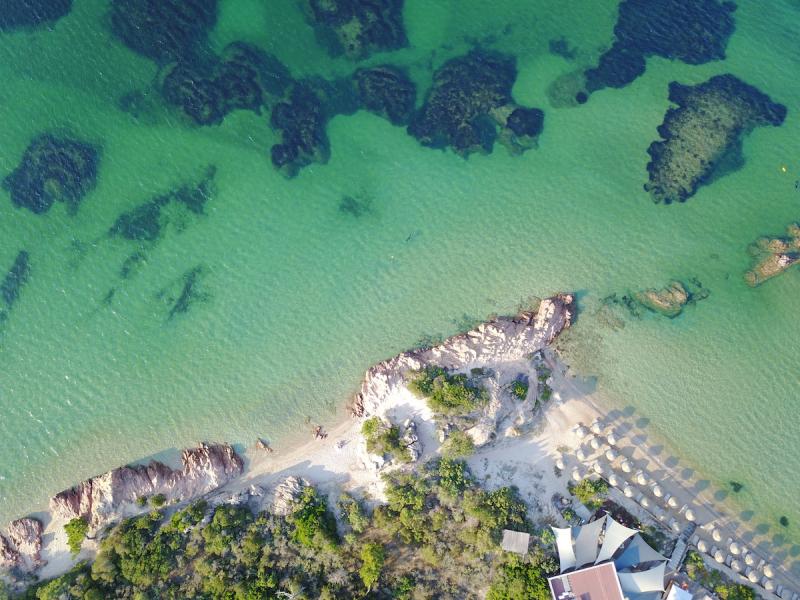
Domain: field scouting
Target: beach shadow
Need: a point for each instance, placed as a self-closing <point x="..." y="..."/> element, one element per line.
<point x="747" y="515"/>
<point x="762" y="528"/>
<point x="702" y="485"/>
<point x="794" y="551"/>
<point x="629" y="411"/>
<point x="686" y="474"/>
<point x="720" y="495"/>
<point x="657" y="449"/>
<point x="672" y="462"/>
<point x="642" y="422"/>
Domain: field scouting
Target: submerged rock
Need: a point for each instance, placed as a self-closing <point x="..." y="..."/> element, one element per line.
<point x="163" y="30"/>
<point x="53" y="168"/>
<point x="708" y="123"/>
<point x="23" y="14"/>
<point x="470" y="97"/>
<point x="692" y="31"/>
<point x="668" y="301"/>
<point x="207" y="89"/>
<point x="387" y="91"/>
<point x="357" y="28"/>
<point x="774" y="255"/>
<point x="102" y="499"/>
<point x="15" y="279"/>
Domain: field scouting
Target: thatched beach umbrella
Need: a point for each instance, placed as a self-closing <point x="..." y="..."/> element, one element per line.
<point x="657" y="491"/>
<point x="626" y="466"/>
<point x="749" y="559"/>
<point x="560" y="464"/>
<point x="736" y="565"/>
<point x="734" y="548"/>
<point x="641" y="478"/>
<point x="582" y="431"/>
<point x="613" y="480"/>
<point x="611" y="454"/>
<point x="595" y="443"/>
<point x="598" y="468"/>
<point x="767" y="584"/>
<point x="672" y="502"/>
<point x="702" y="546"/>
<point x="689" y="514"/>
<point x="597" y="427"/>
<point x="719" y="556"/>
<point x="768" y="570"/>
<point x="580" y="455"/>
<point x="717" y="535"/>
<point x="612" y="439"/>
<point x="628" y="491"/>
<point x="752" y="575"/>
<point x="644" y="502"/>
<point x="576" y="475"/>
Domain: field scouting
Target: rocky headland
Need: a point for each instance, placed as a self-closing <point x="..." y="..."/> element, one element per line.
<point x="701" y="133"/>
<point x="773" y="255"/>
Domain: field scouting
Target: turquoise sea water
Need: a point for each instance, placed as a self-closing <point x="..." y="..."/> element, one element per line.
<point x="299" y="298"/>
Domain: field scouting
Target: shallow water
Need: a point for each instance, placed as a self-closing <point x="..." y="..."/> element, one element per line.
<point x="297" y="298"/>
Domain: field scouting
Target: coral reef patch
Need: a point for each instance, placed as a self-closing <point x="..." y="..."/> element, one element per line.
<point x="469" y="99"/>
<point x="387" y="91"/>
<point x="207" y="89"/>
<point x="692" y="31"/>
<point x="773" y="256"/>
<point x="357" y="28"/>
<point x="53" y="168"/>
<point x="163" y="30"/>
<point x="702" y="131"/>
<point x="23" y="14"/>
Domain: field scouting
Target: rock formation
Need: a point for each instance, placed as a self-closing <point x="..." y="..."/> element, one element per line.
<point x="163" y="30"/>
<point x="21" y="545"/>
<point x="469" y="99"/>
<point x="357" y="28"/>
<point x="501" y="340"/>
<point x="706" y="126"/>
<point x="692" y="31"/>
<point x="286" y="494"/>
<point x="100" y="500"/>
<point x="774" y="255"/>
<point x="32" y="13"/>
<point x="668" y="301"/>
<point x="387" y="91"/>
<point x="53" y="168"/>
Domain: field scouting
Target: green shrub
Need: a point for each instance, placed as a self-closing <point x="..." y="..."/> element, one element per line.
<point x="372" y="559"/>
<point x="458" y="444"/>
<point x="384" y="439"/>
<point x="353" y="513"/>
<point x="519" y="389"/>
<point x="590" y="492"/>
<point x="314" y="525"/>
<point x="453" y="476"/>
<point x="158" y="500"/>
<point x="76" y="530"/>
<point x="519" y="580"/>
<point x="141" y="501"/>
<point x="447" y="394"/>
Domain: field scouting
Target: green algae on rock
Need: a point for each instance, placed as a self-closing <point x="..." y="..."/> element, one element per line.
<point x="774" y="255"/>
<point x="708" y="123"/>
<point x="470" y="97"/>
<point x="387" y="91"/>
<point x="53" y="168"/>
<point x="163" y="30"/>
<point x="692" y="31"/>
<point x="357" y="28"/>
<point x="23" y="14"/>
<point x="207" y="89"/>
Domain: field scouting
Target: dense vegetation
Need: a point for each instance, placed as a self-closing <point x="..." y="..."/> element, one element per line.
<point x="590" y="492"/>
<point x="447" y="393"/>
<point x="436" y="537"/>
<point x="458" y="444"/>
<point x="76" y="532"/>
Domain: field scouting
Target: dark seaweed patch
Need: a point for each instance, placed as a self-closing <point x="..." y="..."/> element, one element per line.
<point x="15" y="278"/>
<point x="189" y="292"/>
<point x="21" y="14"/>
<point x="387" y="91"/>
<point x="143" y="223"/>
<point x="560" y="47"/>
<point x="132" y="264"/>
<point x="355" y="206"/>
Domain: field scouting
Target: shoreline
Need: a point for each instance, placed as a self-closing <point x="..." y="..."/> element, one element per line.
<point x="339" y="461"/>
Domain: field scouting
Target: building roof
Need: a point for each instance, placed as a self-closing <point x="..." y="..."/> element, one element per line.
<point x="598" y="582"/>
<point x="638" y="552"/>
<point x="640" y="582"/>
<point x="676" y="592"/>
<point x="616" y="534"/>
<point x="566" y="554"/>
<point x="587" y="542"/>
<point x="515" y="541"/>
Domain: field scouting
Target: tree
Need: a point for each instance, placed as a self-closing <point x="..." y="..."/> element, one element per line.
<point x="372" y="557"/>
<point x="76" y="530"/>
<point x="458" y="444"/>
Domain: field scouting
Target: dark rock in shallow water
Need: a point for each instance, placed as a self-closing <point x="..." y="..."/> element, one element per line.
<point x="560" y="47"/>
<point x="163" y="30"/>
<point x="387" y="91"/>
<point x="142" y="223"/>
<point x="692" y="31"/>
<point x="357" y="28"/>
<point x="774" y="255"/>
<point x="470" y="97"/>
<point x="526" y="121"/>
<point x="53" y="168"/>
<point x="21" y="14"/>
<point x="208" y="89"/>
<point x="184" y="292"/>
<point x="699" y="134"/>
<point x="15" y="279"/>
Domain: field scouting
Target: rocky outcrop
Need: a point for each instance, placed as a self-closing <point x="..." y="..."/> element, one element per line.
<point x="410" y="440"/>
<point x="503" y="339"/>
<point x="774" y="255"/>
<point x="469" y="99"/>
<point x="705" y="128"/>
<point x="99" y="500"/>
<point x="387" y="91"/>
<point x="692" y="31"/>
<point x="286" y="494"/>
<point x="668" y="301"/>
<point x="21" y="545"/>
<point x="53" y="168"/>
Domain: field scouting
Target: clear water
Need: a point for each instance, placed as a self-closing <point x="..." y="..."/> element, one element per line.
<point x="302" y="298"/>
